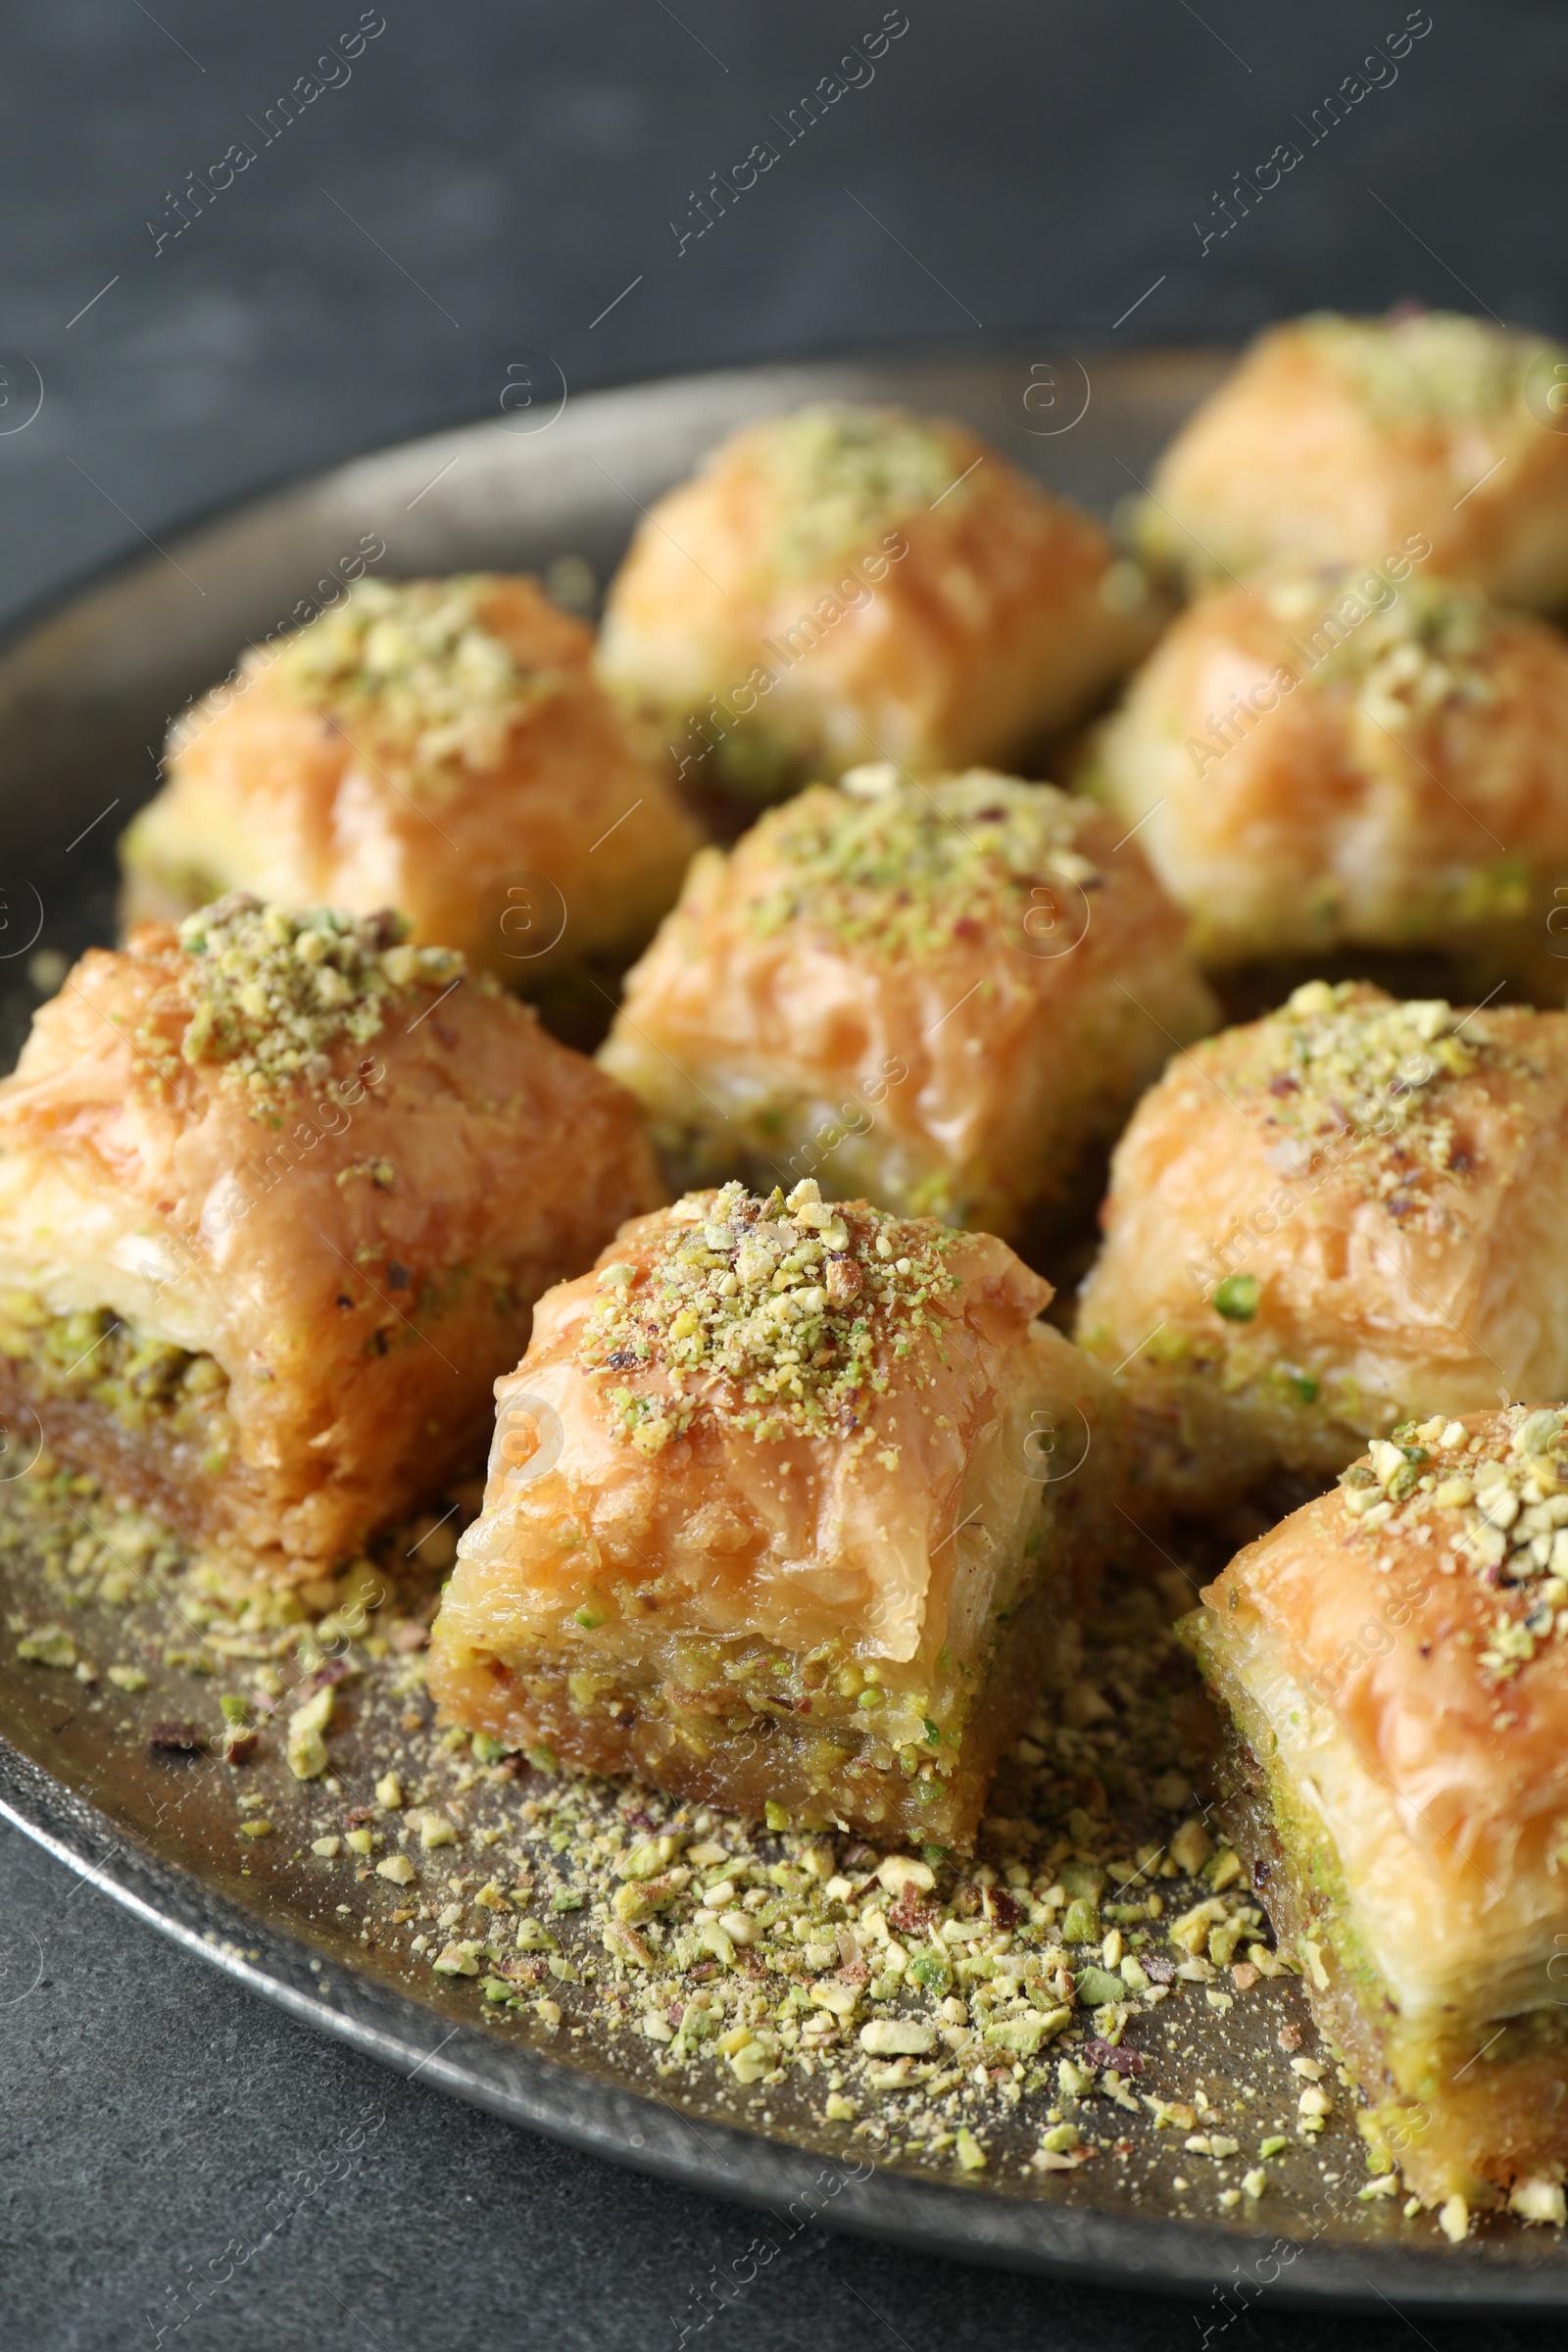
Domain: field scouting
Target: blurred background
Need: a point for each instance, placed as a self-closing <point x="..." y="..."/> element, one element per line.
<point x="482" y="177"/>
<point x="460" y="184"/>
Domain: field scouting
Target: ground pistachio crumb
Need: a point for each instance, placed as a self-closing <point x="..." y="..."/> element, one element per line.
<point x="905" y="868"/>
<point x="306" y="1736"/>
<point x="839" y="474"/>
<point x="773" y="1314"/>
<point x="271" y="991"/>
<point x="1341" y="1058"/>
<point x="411" y="666"/>
<point x="1428" y="366"/>
<point x="49" y="1645"/>
<point x="1493" y="1506"/>
<point x="926" y="2006"/>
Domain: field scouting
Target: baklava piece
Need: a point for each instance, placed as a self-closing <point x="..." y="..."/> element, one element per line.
<point x="1355" y="760"/>
<point x="850" y="584"/>
<point x="943" y="996"/>
<point x="276" y="1196"/>
<point x="787" y="1505"/>
<point x="1329" y="1221"/>
<point x="437" y="746"/>
<point x="1393" y="1662"/>
<point x="1339" y="440"/>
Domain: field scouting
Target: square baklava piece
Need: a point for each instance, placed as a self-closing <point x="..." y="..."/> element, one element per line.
<point x="1359" y="759"/>
<point x="846" y="584"/>
<point x="277" y="1193"/>
<point x="438" y="746"/>
<point x="1392" y="1665"/>
<point x="1345" y="1217"/>
<point x="945" y="996"/>
<point x="1337" y="440"/>
<point x="787" y="1505"/>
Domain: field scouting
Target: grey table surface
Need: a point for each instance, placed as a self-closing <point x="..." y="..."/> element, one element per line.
<point x="477" y="181"/>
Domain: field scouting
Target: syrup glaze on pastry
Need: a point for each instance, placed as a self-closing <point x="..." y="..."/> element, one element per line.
<point x="1366" y="758"/>
<point x="787" y="1503"/>
<point x="1329" y="1221"/>
<point x="1337" y="437"/>
<point x="276" y="1196"/>
<point x="943" y="996"/>
<point x="844" y="585"/>
<point x="1394" y="1660"/>
<point x="438" y="746"/>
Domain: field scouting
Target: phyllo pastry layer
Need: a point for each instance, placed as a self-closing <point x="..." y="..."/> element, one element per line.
<point x="276" y="1196"/>
<point x="1336" y="439"/>
<point x="787" y="1505"/>
<point x="1329" y="1221"/>
<point x="1364" y="758"/>
<point x="943" y="996"/>
<point x="846" y="584"/>
<point x="1394" y="1663"/>
<point x="438" y="746"/>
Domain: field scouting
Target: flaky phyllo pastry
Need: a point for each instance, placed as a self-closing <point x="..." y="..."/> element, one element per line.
<point x="847" y="584"/>
<point x="1362" y="757"/>
<point x="1344" y="1216"/>
<point x="1335" y="438"/>
<point x="1394" y="1663"/>
<point x="786" y="1506"/>
<point x="942" y="996"/>
<point x="276" y="1196"/>
<point x="438" y="746"/>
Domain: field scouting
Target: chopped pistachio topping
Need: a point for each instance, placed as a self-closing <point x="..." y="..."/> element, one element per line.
<point x="306" y="1736"/>
<point x="1432" y="366"/>
<point x="1341" y="1059"/>
<point x="1426" y="646"/>
<point x="272" y="991"/>
<point x="775" y="1315"/>
<point x="413" y="665"/>
<point x="1498" y="1506"/>
<point x="144" y="1380"/>
<point x="682" y="1939"/>
<point x="914" y="867"/>
<point x="839" y="474"/>
<point x="1236" y="1297"/>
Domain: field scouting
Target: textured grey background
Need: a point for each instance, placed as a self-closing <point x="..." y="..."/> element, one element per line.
<point x="491" y="177"/>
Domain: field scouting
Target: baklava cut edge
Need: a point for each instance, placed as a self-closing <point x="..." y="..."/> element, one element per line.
<point x="724" y="1634"/>
<point x="1391" y="1663"/>
<point x="1472" y="2111"/>
<point x="258" y="1279"/>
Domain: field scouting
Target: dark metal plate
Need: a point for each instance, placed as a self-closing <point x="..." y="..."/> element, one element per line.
<point x="85" y="698"/>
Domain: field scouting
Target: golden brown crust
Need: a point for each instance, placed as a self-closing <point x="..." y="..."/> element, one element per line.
<point x="533" y="844"/>
<point x="1299" y="1254"/>
<point x="667" y="1736"/>
<point x="1336" y="439"/>
<point x="1396" y="1659"/>
<point x="943" y="996"/>
<point x="1392" y="1625"/>
<point x="1492" y="2125"/>
<point x="359" y="1258"/>
<point x="844" y="585"/>
<point x="1316" y="760"/>
<point x="692" y="1538"/>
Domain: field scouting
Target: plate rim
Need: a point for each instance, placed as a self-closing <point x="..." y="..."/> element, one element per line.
<point x="1154" y="2254"/>
<point x="48" y="605"/>
<point x="530" y="2089"/>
